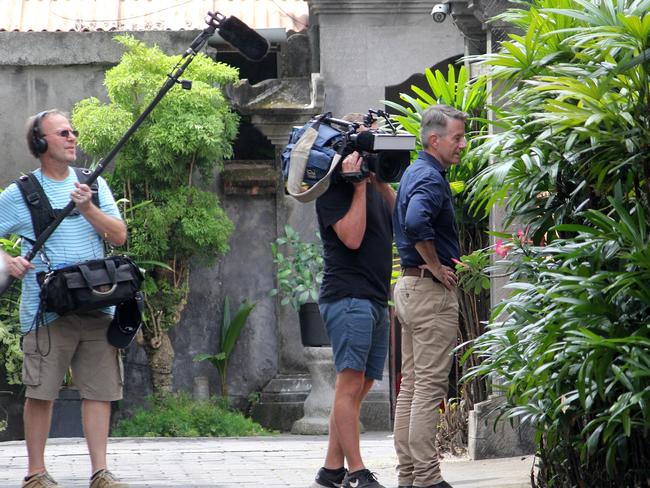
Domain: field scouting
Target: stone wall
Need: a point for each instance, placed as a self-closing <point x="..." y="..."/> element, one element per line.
<point x="367" y="45"/>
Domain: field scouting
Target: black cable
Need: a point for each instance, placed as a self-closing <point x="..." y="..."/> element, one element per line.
<point x="123" y="18"/>
<point x="289" y="15"/>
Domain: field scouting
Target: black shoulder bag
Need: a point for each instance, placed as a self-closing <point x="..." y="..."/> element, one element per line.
<point x="89" y="285"/>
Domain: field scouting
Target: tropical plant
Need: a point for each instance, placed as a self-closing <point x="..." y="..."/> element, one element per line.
<point x="11" y="354"/>
<point x="572" y="163"/>
<point x="167" y="163"/>
<point x="299" y="268"/>
<point x="459" y="91"/>
<point x="574" y="90"/>
<point x="231" y="328"/>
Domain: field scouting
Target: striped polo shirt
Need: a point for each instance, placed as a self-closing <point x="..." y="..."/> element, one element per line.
<point x="74" y="240"/>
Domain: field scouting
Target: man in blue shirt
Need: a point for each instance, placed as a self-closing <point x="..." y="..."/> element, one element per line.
<point x="425" y="294"/>
<point x="76" y="340"/>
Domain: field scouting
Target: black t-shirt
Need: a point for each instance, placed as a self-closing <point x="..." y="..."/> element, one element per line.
<point x="364" y="272"/>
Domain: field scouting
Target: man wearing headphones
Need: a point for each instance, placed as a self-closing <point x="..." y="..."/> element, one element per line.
<point x="76" y="340"/>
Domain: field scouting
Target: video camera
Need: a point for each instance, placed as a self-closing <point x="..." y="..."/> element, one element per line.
<point x="385" y="152"/>
<point x="314" y="153"/>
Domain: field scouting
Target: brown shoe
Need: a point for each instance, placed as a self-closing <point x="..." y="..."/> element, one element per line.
<point x="41" y="480"/>
<point x="105" y="479"/>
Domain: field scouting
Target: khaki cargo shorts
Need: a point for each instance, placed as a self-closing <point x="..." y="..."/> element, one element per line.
<point x="77" y="341"/>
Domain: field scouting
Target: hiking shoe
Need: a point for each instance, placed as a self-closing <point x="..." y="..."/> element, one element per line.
<point x="105" y="479"/>
<point x="325" y="478"/>
<point x="41" y="480"/>
<point x="363" y="478"/>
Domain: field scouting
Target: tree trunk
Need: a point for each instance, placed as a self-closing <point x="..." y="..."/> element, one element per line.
<point x="160" y="356"/>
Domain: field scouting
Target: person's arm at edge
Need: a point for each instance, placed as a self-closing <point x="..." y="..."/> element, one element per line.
<point x="16" y="266"/>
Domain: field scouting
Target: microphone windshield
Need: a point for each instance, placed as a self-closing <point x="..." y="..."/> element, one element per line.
<point x="243" y="38"/>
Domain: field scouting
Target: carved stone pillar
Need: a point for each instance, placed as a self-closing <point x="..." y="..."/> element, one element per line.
<point x="275" y="106"/>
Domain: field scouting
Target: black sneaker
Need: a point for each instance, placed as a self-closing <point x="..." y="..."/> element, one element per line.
<point x="325" y="478"/>
<point x="441" y="484"/>
<point x="361" y="479"/>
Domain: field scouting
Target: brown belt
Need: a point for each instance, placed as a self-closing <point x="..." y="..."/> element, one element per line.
<point x="421" y="272"/>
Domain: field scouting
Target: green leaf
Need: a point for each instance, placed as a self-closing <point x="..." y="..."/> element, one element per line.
<point x="235" y="326"/>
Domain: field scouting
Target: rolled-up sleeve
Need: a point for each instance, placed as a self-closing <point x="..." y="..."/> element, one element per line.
<point x="423" y="207"/>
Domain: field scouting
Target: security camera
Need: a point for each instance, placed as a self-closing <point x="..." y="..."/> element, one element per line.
<point x="440" y="12"/>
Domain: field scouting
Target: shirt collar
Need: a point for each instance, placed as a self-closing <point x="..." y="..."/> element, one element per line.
<point x="425" y="156"/>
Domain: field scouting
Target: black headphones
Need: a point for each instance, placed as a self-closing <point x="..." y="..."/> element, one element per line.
<point x="38" y="143"/>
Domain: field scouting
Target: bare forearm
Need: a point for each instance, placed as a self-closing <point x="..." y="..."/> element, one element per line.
<point x="111" y="229"/>
<point x="427" y="250"/>
<point x="351" y="228"/>
<point x="444" y="274"/>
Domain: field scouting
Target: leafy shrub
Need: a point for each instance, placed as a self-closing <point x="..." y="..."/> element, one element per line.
<point x="165" y="171"/>
<point x="571" y="162"/>
<point x="178" y="415"/>
<point x="11" y="354"/>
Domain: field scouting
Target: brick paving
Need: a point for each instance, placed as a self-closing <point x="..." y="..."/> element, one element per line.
<point x="279" y="461"/>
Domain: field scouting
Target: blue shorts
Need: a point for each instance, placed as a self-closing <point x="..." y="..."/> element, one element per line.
<point x="358" y="330"/>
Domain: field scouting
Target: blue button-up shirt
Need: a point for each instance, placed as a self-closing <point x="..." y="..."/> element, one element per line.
<point x="424" y="211"/>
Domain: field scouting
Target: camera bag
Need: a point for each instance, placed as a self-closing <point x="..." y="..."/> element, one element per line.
<point x="310" y="158"/>
<point x="89" y="285"/>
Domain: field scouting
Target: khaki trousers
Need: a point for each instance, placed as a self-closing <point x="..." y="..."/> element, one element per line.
<point x="428" y="314"/>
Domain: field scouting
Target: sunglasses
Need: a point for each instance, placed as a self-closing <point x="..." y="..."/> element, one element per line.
<point x="65" y="133"/>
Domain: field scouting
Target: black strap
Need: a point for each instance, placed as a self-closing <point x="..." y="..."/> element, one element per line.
<point x="111" y="271"/>
<point x="39" y="205"/>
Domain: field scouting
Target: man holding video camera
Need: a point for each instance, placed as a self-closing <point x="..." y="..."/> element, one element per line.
<point x="425" y="294"/>
<point x="354" y="218"/>
<point x="51" y="344"/>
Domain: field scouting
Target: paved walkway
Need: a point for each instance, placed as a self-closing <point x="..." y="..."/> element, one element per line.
<point x="280" y="461"/>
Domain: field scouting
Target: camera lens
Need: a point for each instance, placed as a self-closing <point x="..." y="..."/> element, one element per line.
<point x="391" y="164"/>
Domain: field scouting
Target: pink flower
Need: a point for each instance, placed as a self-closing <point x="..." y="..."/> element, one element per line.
<point x="523" y="236"/>
<point x="456" y="261"/>
<point x="500" y="249"/>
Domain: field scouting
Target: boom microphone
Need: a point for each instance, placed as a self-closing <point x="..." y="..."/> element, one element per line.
<point x="246" y="40"/>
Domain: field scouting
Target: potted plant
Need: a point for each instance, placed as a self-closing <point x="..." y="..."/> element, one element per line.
<point x="300" y="273"/>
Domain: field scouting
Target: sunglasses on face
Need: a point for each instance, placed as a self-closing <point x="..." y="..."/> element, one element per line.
<point x="65" y="133"/>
